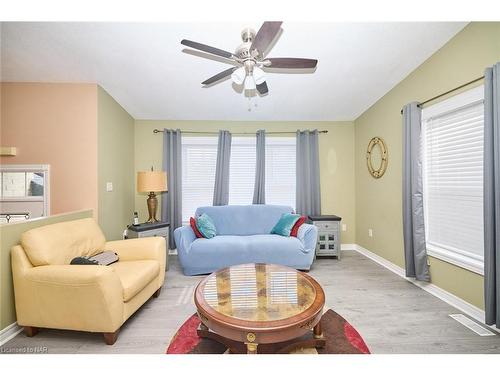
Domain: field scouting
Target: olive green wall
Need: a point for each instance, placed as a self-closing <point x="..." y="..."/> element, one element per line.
<point x="378" y="202"/>
<point x="10" y="235"/>
<point x="336" y="151"/>
<point x="115" y="163"/>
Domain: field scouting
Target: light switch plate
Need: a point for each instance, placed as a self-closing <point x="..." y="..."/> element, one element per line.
<point x="109" y="186"/>
<point x="370" y="232"/>
<point x="344" y="227"/>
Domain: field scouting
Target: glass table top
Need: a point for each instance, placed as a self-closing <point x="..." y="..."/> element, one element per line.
<point x="259" y="292"/>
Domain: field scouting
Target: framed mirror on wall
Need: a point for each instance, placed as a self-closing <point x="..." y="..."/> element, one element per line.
<point x="376" y="157"/>
<point x="25" y="192"/>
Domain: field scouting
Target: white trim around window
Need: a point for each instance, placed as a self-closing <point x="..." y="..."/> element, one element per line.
<point x="446" y="167"/>
<point x="458" y="259"/>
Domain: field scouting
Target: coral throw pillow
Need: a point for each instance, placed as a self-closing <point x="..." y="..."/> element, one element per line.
<point x="297" y="225"/>
<point x="192" y="222"/>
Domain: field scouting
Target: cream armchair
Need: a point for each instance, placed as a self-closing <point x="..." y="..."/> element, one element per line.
<point x="51" y="293"/>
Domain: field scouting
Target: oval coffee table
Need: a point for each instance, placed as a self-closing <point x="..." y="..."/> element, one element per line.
<point x="260" y="308"/>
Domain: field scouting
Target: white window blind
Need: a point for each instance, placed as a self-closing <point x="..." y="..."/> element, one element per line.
<point x="280" y="170"/>
<point x="199" y="155"/>
<point x="453" y="179"/>
<point x="242" y="170"/>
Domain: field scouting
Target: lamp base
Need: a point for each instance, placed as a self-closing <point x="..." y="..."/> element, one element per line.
<point x="152" y="206"/>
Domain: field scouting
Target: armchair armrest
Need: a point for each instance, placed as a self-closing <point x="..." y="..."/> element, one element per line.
<point x="73" y="275"/>
<point x="308" y="235"/>
<point x="147" y="248"/>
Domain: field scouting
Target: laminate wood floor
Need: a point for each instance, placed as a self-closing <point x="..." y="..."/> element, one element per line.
<point x="392" y="315"/>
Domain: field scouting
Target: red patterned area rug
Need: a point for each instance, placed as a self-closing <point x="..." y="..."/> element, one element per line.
<point x="341" y="338"/>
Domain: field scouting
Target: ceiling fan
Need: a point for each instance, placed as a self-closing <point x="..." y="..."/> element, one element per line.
<point x="250" y="58"/>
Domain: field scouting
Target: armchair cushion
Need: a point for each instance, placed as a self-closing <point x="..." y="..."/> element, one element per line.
<point x="135" y="275"/>
<point x="60" y="243"/>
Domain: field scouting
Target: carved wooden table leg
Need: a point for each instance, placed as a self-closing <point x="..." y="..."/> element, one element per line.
<point x="317" y="331"/>
<point x="251" y="347"/>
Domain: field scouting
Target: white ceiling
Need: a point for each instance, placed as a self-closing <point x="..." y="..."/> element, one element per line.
<point x="143" y="66"/>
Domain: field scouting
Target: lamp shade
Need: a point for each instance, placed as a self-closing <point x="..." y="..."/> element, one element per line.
<point x="151" y="181"/>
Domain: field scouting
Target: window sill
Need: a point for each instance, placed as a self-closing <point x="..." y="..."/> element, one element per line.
<point x="459" y="260"/>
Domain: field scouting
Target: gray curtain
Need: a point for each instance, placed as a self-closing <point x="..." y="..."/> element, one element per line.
<point x="308" y="199"/>
<point x="171" y="202"/>
<point x="413" y="205"/>
<point x="259" y="188"/>
<point x="221" y="188"/>
<point x="492" y="195"/>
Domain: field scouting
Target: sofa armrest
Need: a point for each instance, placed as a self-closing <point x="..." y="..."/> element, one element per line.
<point x="76" y="297"/>
<point x="184" y="237"/>
<point x="308" y="235"/>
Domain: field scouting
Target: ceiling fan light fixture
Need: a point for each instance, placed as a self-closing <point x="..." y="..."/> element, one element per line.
<point x="250" y="83"/>
<point x="250" y="58"/>
<point x="239" y="75"/>
<point x="258" y="75"/>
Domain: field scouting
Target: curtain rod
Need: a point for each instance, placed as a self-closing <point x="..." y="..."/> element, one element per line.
<point x="195" y="132"/>
<point x="448" y="92"/>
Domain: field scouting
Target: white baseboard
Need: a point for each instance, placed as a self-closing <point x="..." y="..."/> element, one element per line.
<point x="348" y="247"/>
<point x="451" y="299"/>
<point x="9" y="333"/>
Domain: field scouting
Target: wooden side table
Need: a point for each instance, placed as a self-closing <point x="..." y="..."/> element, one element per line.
<point x="150" y="230"/>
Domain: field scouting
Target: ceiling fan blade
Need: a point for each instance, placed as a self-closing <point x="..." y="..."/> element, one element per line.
<point x="219" y="76"/>
<point x="209" y="49"/>
<point x="262" y="88"/>
<point x="265" y="36"/>
<point x="291" y="63"/>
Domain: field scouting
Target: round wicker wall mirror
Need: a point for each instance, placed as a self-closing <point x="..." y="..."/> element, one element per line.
<point x="376" y="157"/>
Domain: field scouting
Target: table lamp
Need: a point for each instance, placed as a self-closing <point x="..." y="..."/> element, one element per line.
<point x="151" y="182"/>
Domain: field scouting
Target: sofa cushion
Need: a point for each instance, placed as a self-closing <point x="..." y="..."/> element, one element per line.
<point x="244" y="220"/>
<point x="259" y="248"/>
<point x="59" y="243"/>
<point x="135" y="275"/>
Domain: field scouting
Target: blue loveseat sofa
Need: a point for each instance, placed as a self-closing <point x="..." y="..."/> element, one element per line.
<point x="243" y="236"/>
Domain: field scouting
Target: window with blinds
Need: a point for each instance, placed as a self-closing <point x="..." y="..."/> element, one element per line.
<point x="199" y="155"/>
<point x="242" y="170"/>
<point x="452" y="137"/>
<point x="280" y="170"/>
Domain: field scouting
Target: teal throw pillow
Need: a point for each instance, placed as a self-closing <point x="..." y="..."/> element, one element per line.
<point x="206" y="226"/>
<point x="285" y="224"/>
